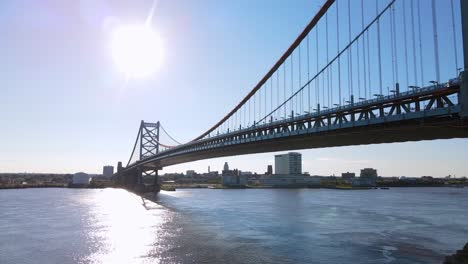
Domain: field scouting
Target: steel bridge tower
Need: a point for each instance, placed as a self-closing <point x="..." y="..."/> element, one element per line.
<point x="149" y="146"/>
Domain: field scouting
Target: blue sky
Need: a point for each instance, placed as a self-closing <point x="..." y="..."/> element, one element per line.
<point x="65" y="107"/>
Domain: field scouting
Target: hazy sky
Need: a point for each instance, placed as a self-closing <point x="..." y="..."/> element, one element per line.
<point x="64" y="107"/>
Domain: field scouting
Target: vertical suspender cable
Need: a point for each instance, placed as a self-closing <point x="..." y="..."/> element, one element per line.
<point x="378" y="47"/>
<point x="347" y="52"/>
<point x="317" y="83"/>
<point x="368" y="66"/>
<point x="243" y="115"/>
<point x="266" y="95"/>
<point x="338" y="49"/>
<point x="454" y="39"/>
<point x="395" y="43"/>
<point x="406" y="43"/>
<point x="277" y="92"/>
<point x="284" y="87"/>
<point x="308" y="75"/>
<point x="350" y="52"/>
<point x="363" y="48"/>
<point x="292" y="82"/>
<point x="260" y="104"/>
<point x="266" y="100"/>
<point x="331" y="78"/>
<point x="421" y="65"/>
<point x="254" y="107"/>
<point x="271" y="99"/>
<point x="413" y="35"/>
<point x="328" y="68"/>
<point x="323" y="88"/>
<point x="358" y="70"/>
<point x="393" y="49"/>
<point x="299" y="106"/>
<point x="436" y="44"/>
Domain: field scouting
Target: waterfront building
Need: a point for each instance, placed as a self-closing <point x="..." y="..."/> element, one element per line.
<point x="348" y="175"/>
<point x="362" y="182"/>
<point x="290" y="181"/>
<point x="369" y="173"/>
<point x="190" y="173"/>
<point x="108" y="171"/>
<point x="233" y="178"/>
<point x="269" y="170"/>
<point x="290" y="163"/>
<point x="81" y="178"/>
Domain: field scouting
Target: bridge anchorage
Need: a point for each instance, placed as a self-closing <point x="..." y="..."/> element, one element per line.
<point x="335" y="87"/>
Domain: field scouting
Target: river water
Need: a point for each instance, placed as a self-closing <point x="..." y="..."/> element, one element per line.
<point x="400" y="225"/>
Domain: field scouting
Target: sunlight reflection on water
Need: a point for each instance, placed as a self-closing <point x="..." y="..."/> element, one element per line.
<point x="125" y="229"/>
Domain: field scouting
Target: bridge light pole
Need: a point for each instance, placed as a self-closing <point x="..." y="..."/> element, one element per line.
<point x="413" y="87"/>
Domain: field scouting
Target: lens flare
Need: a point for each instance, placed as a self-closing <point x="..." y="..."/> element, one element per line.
<point x="136" y="50"/>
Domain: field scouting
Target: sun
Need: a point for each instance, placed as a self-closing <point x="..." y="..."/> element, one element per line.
<point x="136" y="50"/>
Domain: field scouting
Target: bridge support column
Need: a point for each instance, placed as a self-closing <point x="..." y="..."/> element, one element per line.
<point x="156" y="184"/>
<point x="463" y="98"/>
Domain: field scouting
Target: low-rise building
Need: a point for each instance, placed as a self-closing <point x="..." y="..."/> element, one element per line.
<point x="290" y="181"/>
<point x="234" y="180"/>
<point x="81" y="178"/>
<point x="362" y="182"/>
<point x="348" y="175"/>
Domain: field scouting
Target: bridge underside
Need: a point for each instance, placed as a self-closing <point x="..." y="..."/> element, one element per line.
<point x="411" y="130"/>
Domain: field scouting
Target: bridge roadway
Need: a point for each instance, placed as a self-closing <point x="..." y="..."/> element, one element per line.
<point x="421" y="114"/>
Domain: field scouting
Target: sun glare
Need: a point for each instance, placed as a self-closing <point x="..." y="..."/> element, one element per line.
<point x="136" y="50"/>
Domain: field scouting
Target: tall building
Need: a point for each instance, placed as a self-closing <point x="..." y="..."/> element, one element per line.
<point x="369" y="173"/>
<point x="190" y="173"/>
<point x="226" y="166"/>
<point x="108" y="171"/>
<point x="269" y="170"/>
<point x="290" y="163"/>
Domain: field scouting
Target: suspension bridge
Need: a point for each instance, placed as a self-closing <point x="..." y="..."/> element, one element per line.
<point x="361" y="72"/>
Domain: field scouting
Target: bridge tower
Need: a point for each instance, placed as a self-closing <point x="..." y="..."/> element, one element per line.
<point x="463" y="100"/>
<point x="149" y="146"/>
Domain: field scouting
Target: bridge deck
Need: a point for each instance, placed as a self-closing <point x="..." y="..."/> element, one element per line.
<point x="396" y="118"/>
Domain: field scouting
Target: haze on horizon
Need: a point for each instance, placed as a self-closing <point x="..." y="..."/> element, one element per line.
<point x="66" y="107"/>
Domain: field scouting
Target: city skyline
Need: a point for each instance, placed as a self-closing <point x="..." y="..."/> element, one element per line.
<point x="60" y="82"/>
